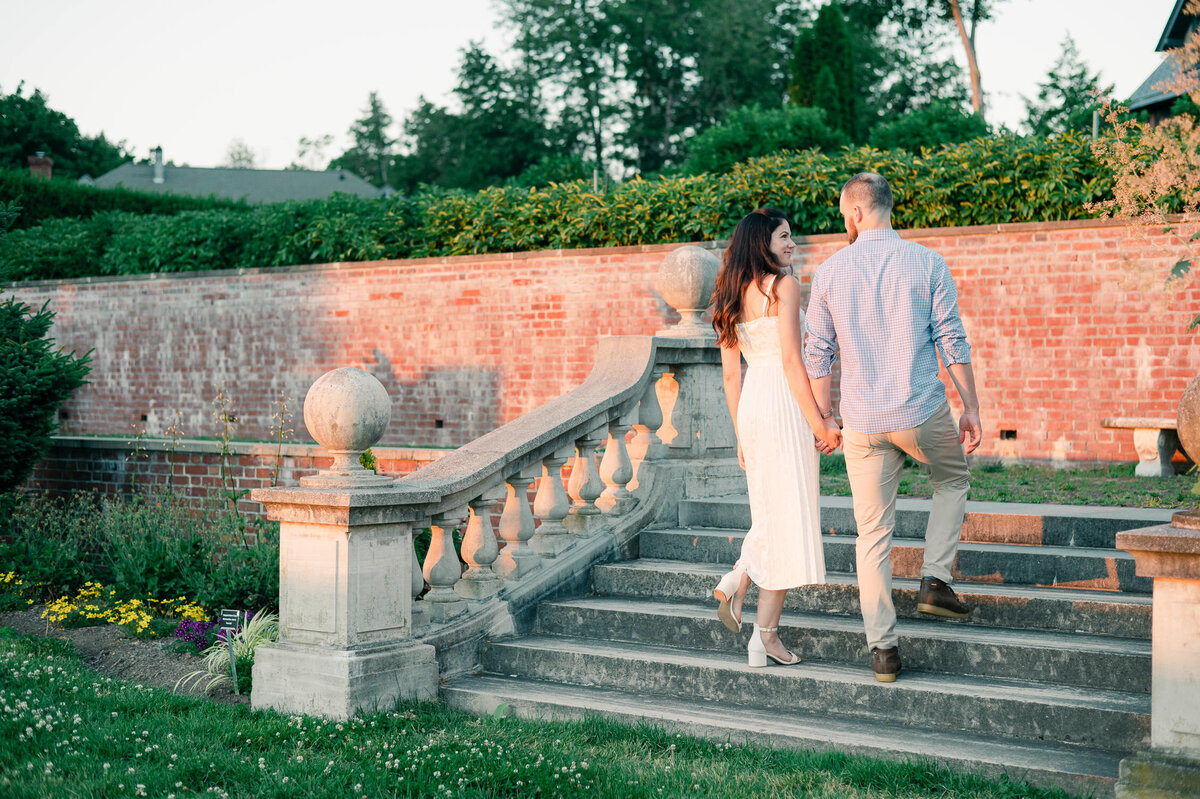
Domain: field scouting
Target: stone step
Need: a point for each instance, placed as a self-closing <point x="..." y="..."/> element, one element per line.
<point x="1022" y="607"/>
<point x="1069" y="567"/>
<point x="986" y="522"/>
<point x="1085" y="661"/>
<point x="1070" y="768"/>
<point x="1018" y="709"/>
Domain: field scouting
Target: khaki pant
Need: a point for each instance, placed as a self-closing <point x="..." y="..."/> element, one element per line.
<point x="873" y="463"/>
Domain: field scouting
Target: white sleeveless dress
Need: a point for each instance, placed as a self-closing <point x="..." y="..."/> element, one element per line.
<point x="783" y="547"/>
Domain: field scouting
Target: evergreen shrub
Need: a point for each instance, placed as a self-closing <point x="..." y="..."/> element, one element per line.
<point x="41" y="200"/>
<point x="755" y="131"/>
<point x="983" y="181"/>
<point x="35" y="379"/>
<point x="928" y="128"/>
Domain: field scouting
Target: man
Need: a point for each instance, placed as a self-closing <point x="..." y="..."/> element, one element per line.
<point x="890" y="306"/>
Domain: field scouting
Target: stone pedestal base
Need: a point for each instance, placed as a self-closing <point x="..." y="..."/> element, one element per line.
<point x="513" y="563"/>
<point x="616" y="506"/>
<point x="550" y="546"/>
<point x="338" y="683"/>
<point x="583" y="525"/>
<point x="1158" y="774"/>
<point x="478" y="588"/>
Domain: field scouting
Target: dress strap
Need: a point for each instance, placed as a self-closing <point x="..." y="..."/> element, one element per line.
<point x="767" y="295"/>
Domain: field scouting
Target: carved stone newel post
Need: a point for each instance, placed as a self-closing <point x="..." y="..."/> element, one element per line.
<point x="345" y="571"/>
<point x="697" y="417"/>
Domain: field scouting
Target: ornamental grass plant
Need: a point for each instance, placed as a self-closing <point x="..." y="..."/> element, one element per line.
<point x="257" y="629"/>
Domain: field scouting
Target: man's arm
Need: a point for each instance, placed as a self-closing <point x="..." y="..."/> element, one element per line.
<point x="820" y="345"/>
<point x="951" y="339"/>
<point x="970" y="428"/>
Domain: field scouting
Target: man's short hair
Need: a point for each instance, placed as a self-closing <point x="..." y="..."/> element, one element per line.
<point x="869" y="189"/>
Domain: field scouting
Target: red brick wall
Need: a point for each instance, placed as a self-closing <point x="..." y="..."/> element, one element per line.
<point x="192" y="469"/>
<point x="1069" y="323"/>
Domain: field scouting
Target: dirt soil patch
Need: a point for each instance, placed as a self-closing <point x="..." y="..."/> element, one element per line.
<point x="108" y="651"/>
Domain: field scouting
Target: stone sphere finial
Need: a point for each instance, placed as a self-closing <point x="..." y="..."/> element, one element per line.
<point x="686" y="278"/>
<point x="346" y="411"/>
<point x="1187" y="423"/>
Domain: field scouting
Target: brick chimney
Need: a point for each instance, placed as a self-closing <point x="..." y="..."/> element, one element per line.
<point x="159" y="176"/>
<point x="41" y="166"/>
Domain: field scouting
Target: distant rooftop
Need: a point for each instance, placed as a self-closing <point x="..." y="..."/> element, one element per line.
<point x="1174" y="33"/>
<point x="253" y="185"/>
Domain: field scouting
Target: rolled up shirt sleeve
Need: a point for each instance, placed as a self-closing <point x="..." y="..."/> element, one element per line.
<point x="820" y="339"/>
<point x="945" y="324"/>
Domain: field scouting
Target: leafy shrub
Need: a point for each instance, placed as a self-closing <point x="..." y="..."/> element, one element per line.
<point x="928" y="128"/>
<point x="140" y="548"/>
<point x="15" y="593"/>
<point x="754" y="131"/>
<point x="34" y="381"/>
<point x="42" y="200"/>
<point x="553" y="169"/>
<point x="982" y="181"/>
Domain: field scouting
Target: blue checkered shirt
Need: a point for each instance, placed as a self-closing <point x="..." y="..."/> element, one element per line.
<point x="889" y="306"/>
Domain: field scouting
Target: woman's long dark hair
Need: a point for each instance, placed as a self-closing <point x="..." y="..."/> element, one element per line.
<point x="747" y="260"/>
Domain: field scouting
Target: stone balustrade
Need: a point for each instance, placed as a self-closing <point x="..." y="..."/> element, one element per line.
<point x="348" y="534"/>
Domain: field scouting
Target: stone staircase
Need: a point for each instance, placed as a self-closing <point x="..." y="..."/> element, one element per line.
<point x="1047" y="681"/>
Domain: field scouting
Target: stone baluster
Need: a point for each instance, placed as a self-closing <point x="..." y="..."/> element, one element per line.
<point x="616" y="470"/>
<point x="420" y="608"/>
<point x="443" y="569"/>
<point x="480" y="550"/>
<point x="646" y="445"/>
<point x="516" y="528"/>
<point x="550" y="506"/>
<point x="585" y="487"/>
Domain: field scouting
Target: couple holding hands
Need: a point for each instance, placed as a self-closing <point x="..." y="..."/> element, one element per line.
<point x="888" y="307"/>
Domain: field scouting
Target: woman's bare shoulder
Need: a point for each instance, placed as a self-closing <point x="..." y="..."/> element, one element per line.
<point x="790" y="289"/>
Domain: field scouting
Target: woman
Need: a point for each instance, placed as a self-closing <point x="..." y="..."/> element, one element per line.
<point x="757" y="314"/>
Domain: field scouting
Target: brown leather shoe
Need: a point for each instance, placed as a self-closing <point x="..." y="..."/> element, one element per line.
<point x="938" y="599"/>
<point x="885" y="663"/>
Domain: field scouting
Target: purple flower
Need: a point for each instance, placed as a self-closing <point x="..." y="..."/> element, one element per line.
<point x="195" y="632"/>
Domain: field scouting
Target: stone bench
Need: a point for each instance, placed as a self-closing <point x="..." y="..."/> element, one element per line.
<point x="1155" y="440"/>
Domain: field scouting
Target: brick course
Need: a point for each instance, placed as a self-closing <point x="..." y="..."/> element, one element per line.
<point x="1069" y="323"/>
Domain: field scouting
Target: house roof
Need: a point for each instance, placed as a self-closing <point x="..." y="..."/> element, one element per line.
<point x="1147" y="95"/>
<point x="1176" y="29"/>
<point x="255" y="185"/>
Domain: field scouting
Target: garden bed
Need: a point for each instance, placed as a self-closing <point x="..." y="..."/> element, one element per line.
<point x="109" y="651"/>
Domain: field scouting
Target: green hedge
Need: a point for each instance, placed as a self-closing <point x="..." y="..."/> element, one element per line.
<point x="984" y="181"/>
<point x="43" y="200"/>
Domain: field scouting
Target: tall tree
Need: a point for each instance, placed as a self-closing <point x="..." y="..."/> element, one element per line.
<point x="654" y="38"/>
<point x="571" y="44"/>
<point x="497" y="132"/>
<point x="371" y="152"/>
<point x="1067" y="98"/>
<point x="965" y="16"/>
<point x="29" y="125"/>
<point x="310" y="153"/>
<point x="238" y="155"/>
<point x="824" y="71"/>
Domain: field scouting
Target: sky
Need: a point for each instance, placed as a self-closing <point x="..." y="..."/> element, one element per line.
<point x="193" y="77"/>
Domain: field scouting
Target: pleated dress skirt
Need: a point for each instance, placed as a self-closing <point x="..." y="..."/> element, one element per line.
<point x="783" y="547"/>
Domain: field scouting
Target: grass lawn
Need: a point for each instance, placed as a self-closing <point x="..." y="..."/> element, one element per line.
<point x="66" y="731"/>
<point x="993" y="482"/>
